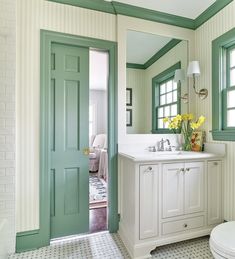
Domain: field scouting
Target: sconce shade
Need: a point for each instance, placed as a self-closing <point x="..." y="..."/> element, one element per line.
<point x="193" y="68"/>
<point x="179" y="75"/>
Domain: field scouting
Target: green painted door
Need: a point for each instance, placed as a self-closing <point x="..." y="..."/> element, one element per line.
<point x="69" y="174"/>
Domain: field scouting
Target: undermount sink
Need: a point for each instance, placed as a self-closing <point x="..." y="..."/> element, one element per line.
<point x="164" y="153"/>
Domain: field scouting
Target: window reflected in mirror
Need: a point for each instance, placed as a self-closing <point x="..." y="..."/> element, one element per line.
<point x="148" y="56"/>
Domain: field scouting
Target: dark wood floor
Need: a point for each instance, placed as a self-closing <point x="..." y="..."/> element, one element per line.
<point x="98" y="220"/>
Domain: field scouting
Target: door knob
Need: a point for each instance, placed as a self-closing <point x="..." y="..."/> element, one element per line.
<point x="86" y="151"/>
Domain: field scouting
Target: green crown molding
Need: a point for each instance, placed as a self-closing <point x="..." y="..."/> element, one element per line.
<point x="96" y="5"/>
<point x="147" y="14"/>
<point x="210" y="12"/>
<point x="170" y="45"/>
<point x="151" y="15"/>
<point x="135" y="66"/>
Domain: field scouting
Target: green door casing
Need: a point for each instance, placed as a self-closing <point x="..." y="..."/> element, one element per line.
<point x="69" y="176"/>
<point x="33" y="239"/>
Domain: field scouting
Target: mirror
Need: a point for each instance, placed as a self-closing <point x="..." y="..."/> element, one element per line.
<point x="151" y="91"/>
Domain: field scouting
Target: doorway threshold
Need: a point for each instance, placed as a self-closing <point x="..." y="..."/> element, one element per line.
<point x="75" y="237"/>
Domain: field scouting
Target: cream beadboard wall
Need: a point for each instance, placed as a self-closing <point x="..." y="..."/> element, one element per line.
<point x="136" y="80"/>
<point x="204" y="35"/>
<point x="33" y="15"/>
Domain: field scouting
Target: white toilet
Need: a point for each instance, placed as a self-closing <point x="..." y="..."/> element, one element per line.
<point x="222" y="241"/>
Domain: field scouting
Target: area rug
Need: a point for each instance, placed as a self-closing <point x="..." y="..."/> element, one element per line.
<point x="97" y="192"/>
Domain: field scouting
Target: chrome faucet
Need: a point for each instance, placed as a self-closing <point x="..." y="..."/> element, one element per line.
<point x="161" y="145"/>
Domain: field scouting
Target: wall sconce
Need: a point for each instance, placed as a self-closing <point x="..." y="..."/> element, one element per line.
<point x="178" y="78"/>
<point x="193" y="71"/>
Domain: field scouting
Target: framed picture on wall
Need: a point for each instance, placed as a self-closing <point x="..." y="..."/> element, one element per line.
<point x="128" y="117"/>
<point x="129" y="96"/>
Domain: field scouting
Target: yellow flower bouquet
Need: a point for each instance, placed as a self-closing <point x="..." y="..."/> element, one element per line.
<point x="184" y="124"/>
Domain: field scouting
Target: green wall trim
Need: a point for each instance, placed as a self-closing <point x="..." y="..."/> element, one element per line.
<point x="96" y="5"/>
<point x="211" y="11"/>
<point x="170" y="45"/>
<point x="147" y="14"/>
<point x="151" y="15"/>
<point x="28" y="240"/>
<point x="218" y="84"/>
<point x="135" y="66"/>
<point x="224" y="135"/>
<point x="28" y="233"/>
<point x="38" y="238"/>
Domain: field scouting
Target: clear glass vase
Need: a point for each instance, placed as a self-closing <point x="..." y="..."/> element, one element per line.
<point x="187" y="142"/>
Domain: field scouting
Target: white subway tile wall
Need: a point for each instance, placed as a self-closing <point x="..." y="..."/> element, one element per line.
<point x="7" y="125"/>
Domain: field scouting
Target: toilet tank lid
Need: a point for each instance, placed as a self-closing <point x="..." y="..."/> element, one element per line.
<point x="223" y="237"/>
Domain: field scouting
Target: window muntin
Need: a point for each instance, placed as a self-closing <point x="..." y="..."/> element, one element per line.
<point x="229" y="90"/>
<point x="167" y="101"/>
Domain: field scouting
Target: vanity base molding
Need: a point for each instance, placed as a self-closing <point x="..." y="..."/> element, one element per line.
<point x="163" y="202"/>
<point x="144" y="248"/>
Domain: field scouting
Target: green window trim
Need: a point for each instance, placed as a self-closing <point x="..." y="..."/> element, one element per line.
<point x="220" y="48"/>
<point x="156" y="81"/>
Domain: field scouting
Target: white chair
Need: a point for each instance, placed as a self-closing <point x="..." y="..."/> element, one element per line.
<point x="97" y="145"/>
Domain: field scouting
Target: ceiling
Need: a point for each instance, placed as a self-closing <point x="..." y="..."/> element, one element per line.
<point x="152" y="43"/>
<point x="186" y="8"/>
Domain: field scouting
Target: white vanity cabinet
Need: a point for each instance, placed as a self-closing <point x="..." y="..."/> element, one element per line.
<point x="182" y="188"/>
<point x="148" y="203"/>
<point x="214" y="192"/>
<point x="164" y="201"/>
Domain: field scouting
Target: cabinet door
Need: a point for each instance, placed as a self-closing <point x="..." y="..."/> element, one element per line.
<point x="148" y="201"/>
<point x="194" y="187"/>
<point x="172" y="190"/>
<point x="214" y="192"/>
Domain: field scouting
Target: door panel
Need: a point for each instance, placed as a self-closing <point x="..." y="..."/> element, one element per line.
<point x="173" y="192"/>
<point x="214" y="192"/>
<point x="148" y="201"/>
<point x="69" y="135"/>
<point x="194" y="187"/>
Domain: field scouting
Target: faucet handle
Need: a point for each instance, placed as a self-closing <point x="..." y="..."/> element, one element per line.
<point x="152" y="149"/>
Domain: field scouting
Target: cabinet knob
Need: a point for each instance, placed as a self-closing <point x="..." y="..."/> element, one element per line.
<point x="150" y="168"/>
<point x="187" y="169"/>
<point x="215" y="163"/>
<point x="181" y="169"/>
<point x="185" y="225"/>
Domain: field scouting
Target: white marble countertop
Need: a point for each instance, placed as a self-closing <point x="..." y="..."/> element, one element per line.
<point x="146" y="156"/>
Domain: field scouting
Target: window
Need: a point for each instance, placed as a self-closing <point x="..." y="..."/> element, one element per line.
<point x="165" y="99"/>
<point x="92" y="119"/>
<point x="223" y="87"/>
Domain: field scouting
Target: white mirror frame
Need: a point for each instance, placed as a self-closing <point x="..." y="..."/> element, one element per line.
<point x="125" y="23"/>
